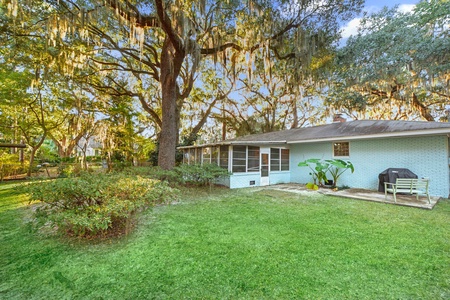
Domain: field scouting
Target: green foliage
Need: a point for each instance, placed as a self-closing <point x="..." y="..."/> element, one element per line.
<point x="97" y="158"/>
<point x="95" y="204"/>
<point x="48" y="152"/>
<point x="238" y="244"/>
<point x="396" y="67"/>
<point x="337" y="167"/>
<point x="157" y="173"/>
<point x="10" y="165"/>
<point x="319" y="169"/>
<point x="197" y="174"/>
<point x="312" y="186"/>
<point x="69" y="170"/>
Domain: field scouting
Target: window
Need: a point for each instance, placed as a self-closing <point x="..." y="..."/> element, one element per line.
<point x="284" y="159"/>
<point x="253" y="159"/>
<point x="279" y="159"/>
<point x="192" y="156"/>
<point x="186" y="156"/>
<point x="274" y="159"/>
<point x="239" y="158"/>
<point x="341" y="149"/>
<point x="223" y="157"/>
<point x="198" y="155"/>
<point x="215" y="155"/>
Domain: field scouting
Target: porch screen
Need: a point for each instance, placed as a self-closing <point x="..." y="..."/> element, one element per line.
<point x="215" y="155"/>
<point x="198" y="155"/>
<point x="284" y="159"/>
<point x="206" y="155"/>
<point x="192" y="156"/>
<point x="186" y="156"/>
<point x="223" y="157"/>
<point x="253" y="159"/>
<point x="274" y="159"/>
<point x="239" y="158"/>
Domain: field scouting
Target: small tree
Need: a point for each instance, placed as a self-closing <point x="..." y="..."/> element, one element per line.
<point x="318" y="169"/>
<point x="337" y="167"/>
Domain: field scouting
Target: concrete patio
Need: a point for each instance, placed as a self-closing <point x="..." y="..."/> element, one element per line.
<point x="361" y="194"/>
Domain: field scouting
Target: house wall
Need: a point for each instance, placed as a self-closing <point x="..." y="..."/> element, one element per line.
<point x="280" y="176"/>
<point x="241" y="180"/>
<point x="425" y="156"/>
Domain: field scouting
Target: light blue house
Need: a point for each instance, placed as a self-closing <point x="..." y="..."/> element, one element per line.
<point x="371" y="145"/>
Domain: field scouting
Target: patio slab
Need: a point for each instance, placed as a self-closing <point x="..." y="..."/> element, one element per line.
<point x="361" y="194"/>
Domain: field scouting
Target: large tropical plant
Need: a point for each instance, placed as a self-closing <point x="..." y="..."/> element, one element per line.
<point x="318" y="169"/>
<point x="337" y="167"/>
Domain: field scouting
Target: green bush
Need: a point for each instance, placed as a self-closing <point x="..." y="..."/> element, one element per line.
<point x="10" y="165"/>
<point x="199" y="175"/>
<point x="205" y="174"/>
<point x="69" y="170"/>
<point x="97" y="204"/>
<point x="170" y="176"/>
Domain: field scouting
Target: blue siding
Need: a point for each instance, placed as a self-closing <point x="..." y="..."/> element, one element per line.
<point x="241" y="180"/>
<point x="224" y="181"/>
<point x="425" y="156"/>
<point x="280" y="177"/>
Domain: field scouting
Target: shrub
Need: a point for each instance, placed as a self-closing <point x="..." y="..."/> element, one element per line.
<point x="98" y="204"/>
<point x="10" y="165"/>
<point x="205" y="174"/>
<point x="170" y="176"/>
<point x="199" y="175"/>
<point x="69" y="170"/>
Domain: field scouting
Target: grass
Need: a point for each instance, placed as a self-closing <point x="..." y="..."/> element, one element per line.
<point x="236" y="244"/>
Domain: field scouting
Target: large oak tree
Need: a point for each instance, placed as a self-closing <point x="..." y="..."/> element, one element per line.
<point x="164" y="42"/>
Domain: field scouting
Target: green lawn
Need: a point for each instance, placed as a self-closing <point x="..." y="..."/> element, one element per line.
<point x="238" y="244"/>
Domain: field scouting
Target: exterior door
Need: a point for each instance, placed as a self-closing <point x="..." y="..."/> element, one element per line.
<point x="264" y="169"/>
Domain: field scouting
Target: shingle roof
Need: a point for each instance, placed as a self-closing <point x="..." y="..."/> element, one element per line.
<point x="361" y="129"/>
<point x="341" y="131"/>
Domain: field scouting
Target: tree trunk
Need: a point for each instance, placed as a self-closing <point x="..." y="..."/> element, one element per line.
<point x="30" y="167"/>
<point x="171" y="61"/>
<point x="423" y="110"/>
<point x="33" y="153"/>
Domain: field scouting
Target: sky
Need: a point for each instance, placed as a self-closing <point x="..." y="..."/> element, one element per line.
<point x="374" y="6"/>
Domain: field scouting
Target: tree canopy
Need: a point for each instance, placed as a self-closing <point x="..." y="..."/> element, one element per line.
<point x="151" y="50"/>
<point x="397" y="66"/>
<point x="126" y="70"/>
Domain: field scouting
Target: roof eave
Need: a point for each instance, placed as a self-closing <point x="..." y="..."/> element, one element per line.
<point x="225" y="143"/>
<point x="425" y="132"/>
